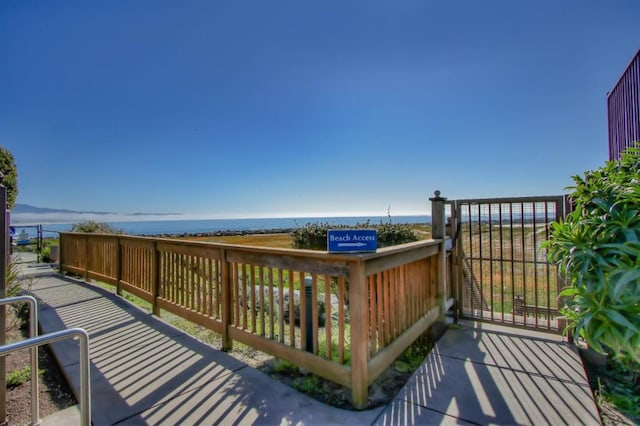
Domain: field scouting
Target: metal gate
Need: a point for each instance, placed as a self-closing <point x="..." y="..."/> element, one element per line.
<point x="501" y="272"/>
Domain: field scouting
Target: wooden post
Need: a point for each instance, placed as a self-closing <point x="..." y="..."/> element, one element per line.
<point x="225" y="282"/>
<point x="358" y="304"/>
<point x="61" y="253"/>
<point x="155" y="278"/>
<point x="4" y="262"/>
<point x="438" y="232"/>
<point x="87" y="256"/>
<point x="456" y="267"/>
<point x="118" y="267"/>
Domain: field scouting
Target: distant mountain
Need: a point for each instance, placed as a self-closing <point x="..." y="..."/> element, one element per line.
<point x="26" y="208"/>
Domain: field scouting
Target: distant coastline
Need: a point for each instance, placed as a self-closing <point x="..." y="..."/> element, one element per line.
<point x="228" y="226"/>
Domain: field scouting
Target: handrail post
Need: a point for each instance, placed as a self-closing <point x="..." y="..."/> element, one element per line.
<point x="359" y="307"/>
<point x="4" y="263"/>
<point x="438" y="232"/>
<point x="85" y="385"/>
<point x="33" y="332"/>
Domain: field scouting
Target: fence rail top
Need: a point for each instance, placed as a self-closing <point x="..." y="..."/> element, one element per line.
<point x="508" y="200"/>
<point x="305" y="253"/>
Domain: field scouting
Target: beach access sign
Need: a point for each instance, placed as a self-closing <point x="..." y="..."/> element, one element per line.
<point x="352" y="240"/>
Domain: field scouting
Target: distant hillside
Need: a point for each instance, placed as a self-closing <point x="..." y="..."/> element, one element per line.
<point x="26" y="208"/>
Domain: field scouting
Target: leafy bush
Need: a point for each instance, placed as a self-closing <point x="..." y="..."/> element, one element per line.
<point x="391" y="234"/>
<point x="45" y="253"/>
<point x="314" y="235"/>
<point x="8" y="169"/>
<point x="92" y="227"/>
<point x="597" y="248"/>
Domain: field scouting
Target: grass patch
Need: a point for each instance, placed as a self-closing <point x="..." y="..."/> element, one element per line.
<point x="257" y="240"/>
<point x="17" y="377"/>
<point x="619" y="385"/>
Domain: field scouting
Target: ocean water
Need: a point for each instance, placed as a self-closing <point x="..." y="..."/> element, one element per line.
<point x="214" y="225"/>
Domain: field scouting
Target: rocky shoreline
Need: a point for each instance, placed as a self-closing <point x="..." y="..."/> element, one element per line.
<point x="228" y="233"/>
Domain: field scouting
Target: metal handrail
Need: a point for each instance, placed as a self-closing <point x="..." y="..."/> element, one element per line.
<point x="33" y="332"/>
<point x="85" y="390"/>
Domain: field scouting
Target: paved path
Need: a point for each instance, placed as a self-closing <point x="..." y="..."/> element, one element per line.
<point x="147" y="372"/>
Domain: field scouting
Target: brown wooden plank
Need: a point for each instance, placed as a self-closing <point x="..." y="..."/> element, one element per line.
<point x="359" y="335"/>
<point x="393" y="260"/>
<point x="272" y="330"/>
<point x="102" y="278"/>
<point x="300" y="263"/>
<point x="373" y="310"/>
<point x="380" y="312"/>
<point x="389" y="354"/>
<point x="136" y="291"/>
<point x="281" y="305"/>
<point x="341" y="319"/>
<point x="193" y="316"/>
<point x="292" y="307"/>
<point x="335" y="372"/>
<point x="194" y="249"/>
<point x="392" y="304"/>
<point x="315" y="310"/>
<point x="303" y="311"/>
<point x="261" y="296"/>
<point x="327" y="322"/>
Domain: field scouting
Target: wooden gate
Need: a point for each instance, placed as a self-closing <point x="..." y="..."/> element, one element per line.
<point x="501" y="272"/>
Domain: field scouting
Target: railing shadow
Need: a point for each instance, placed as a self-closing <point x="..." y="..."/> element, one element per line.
<point x="484" y="376"/>
<point x="144" y="371"/>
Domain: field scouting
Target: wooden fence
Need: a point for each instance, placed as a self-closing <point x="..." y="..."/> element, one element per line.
<point x="364" y="310"/>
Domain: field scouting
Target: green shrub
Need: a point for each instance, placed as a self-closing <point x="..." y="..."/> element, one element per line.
<point x="92" y="227"/>
<point x="597" y="248"/>
<point x="314" y="235"/>
<point x="8" y="169"/>
<point x="45" y="252"/>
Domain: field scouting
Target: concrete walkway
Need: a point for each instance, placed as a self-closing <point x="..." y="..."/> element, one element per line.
<point x="144" y="371"/>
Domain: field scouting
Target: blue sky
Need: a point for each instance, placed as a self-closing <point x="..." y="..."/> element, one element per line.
<point x="235" y="109"/>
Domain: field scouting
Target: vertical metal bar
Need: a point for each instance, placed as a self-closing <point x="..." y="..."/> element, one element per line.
<point x="513" y="264"/>
<point x="535" y="260"/>
<point x="85" y="384"/>
<point x="33" y="332"/>
<point x="524" y="263"/>
<point x="501" y="260"/>
<point x="4" y="263"/>
<point x="480" y="260"/>
<point x="471" y="283"/>
<point x="547" y="267"/>
<point x="491" y="284"/>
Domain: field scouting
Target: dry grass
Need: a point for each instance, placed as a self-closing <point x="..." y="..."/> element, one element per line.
<point x="260" y="240"/>
<point x="284" y="240"/>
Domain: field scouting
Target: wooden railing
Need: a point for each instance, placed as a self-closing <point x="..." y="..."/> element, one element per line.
<point x="363" y="311"/>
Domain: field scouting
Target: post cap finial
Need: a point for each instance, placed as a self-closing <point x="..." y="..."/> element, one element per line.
<point x="437" y="196"/>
